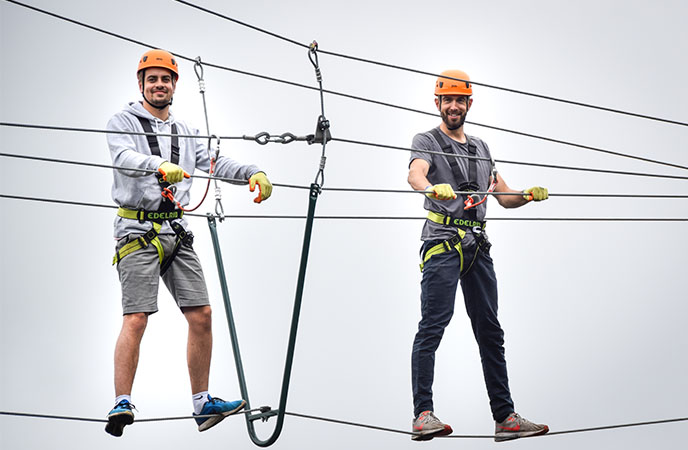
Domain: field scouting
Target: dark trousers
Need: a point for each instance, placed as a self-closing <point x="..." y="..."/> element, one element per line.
<point x="438" y="292"/>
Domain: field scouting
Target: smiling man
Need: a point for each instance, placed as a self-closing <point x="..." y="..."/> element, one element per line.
<point x="455" y="248"/>
<point x="153" y="240"/>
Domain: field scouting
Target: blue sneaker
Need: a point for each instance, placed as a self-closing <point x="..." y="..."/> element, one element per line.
<point x="120" y="416"/>
<point x="218" y="409"/>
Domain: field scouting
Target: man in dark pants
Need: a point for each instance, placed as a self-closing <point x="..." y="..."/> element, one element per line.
<point x="455" y="248"/>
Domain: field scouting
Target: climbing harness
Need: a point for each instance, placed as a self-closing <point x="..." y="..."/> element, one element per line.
<point x="166" y="212"/>
<point x="455" y="243"/>
<point x="470" y="221"/>
<point x="475" y="225"/>
<point x="322" y="135"/>
<point x="463" y="226"/>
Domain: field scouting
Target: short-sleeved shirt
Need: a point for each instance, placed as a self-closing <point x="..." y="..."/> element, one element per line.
<point x="440" y="172"/>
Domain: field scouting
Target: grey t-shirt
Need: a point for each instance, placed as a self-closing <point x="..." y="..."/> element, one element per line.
<point x="440" y="172"/>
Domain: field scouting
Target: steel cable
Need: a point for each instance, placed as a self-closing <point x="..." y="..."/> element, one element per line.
<point x="501" y="161"/>
<point x="265" y="77"/>
<point x="350" y="189"/>
<point x="422" y="72"/>
<point x="349" y="423"/>
<point x="326" y="217"/>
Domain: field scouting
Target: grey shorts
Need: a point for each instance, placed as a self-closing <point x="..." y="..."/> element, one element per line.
<point x="139" y="275"/>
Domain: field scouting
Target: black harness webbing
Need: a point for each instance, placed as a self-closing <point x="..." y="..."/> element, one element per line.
<point x="462" y="185"/>
<point x="153" y="140"/>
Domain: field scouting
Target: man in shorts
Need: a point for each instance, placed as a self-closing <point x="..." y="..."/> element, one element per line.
<point x="153" y="240"/>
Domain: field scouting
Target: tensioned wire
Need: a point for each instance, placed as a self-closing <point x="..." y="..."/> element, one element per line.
<point x="422" y="72"/>
<point x="265" y="77"/>
<point x="353" y="423"/>
<point x="325" y="217"/>
<point x="501" y="161"/>
<point x="353" y="189"/>
<point x="350" y="423"/>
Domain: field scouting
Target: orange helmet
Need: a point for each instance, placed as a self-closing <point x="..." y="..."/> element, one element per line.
<point x="447" y="86"/>
<point x="158" y="58"/>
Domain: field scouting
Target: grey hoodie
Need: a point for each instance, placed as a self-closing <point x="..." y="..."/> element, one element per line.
<point x="140" y="190"/>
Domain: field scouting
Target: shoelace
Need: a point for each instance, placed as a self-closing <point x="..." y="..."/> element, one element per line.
<point x="431" y="418"/>
<point x="125" y="404"/>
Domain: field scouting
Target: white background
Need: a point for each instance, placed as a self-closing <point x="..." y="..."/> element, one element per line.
<point x="594" y="312"/>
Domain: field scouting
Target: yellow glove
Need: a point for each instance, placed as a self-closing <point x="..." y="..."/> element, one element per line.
<point x="172" y="173"/>
<point x="441" y="191"/>
<point x="264" y="186"/>
<point x="536" y="194"/>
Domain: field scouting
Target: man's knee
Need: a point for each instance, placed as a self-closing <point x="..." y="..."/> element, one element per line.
<point x="135" y="323"/>
<point x="199" y="317"/>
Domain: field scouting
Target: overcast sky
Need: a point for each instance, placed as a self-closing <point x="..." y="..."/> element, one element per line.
<point x="594" y="312"/>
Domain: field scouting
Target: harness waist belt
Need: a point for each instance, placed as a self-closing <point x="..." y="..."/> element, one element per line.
<point x="151" y="236"/>
<point x="455" y="221"/>
<point x="153" y="216"/>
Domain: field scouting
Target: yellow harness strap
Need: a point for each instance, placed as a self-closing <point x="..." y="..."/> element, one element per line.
<point x="446" y="246"/>
<point x="453" y="221"/>
<point x="143" y="241"/>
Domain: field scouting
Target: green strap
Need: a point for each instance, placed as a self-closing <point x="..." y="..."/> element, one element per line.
<point x="454" y="221"/>
<point x="143" y="215"/>
<point x="140" y="243"/>
<point x="443" y="247"/>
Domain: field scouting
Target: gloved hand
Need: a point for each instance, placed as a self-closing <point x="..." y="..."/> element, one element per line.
<point x="172" y="173"/>
<point x="264" y="186"/>
<point x="442" y="191"/>
<point x="536" y="193"/>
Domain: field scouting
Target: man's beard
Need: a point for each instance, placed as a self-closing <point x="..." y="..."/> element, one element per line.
<point x="453" y="125"/>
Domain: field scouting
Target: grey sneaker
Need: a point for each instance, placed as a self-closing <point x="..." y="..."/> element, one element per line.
<point x="515" y="426"/>
<point x="426" y="426"/>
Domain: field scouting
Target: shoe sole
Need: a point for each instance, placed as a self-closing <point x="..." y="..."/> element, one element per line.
<point x="428" y="436"/>
<point x="523" y="434"/>
<point x="117" y="422"/>
<point x="212" y="421"/>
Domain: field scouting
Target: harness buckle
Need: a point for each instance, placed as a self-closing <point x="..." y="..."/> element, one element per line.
<point x="149" y="236"/>
<point x="454" y="240"/>
<point x="186" y="237"/>
<point x="469" y="187"/>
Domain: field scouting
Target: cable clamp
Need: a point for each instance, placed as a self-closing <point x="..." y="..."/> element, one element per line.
<point x="322" y="132"/>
